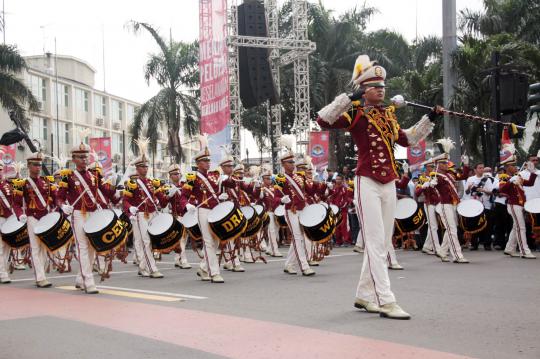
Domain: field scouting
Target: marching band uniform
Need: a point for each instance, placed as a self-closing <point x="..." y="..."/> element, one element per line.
<point x="267" y="198"/>
<point x="177" y="210"/>
<point x="33" y="199"/>
<point x="6" y="198"/>
<point x="431" y="201"/>
<point x="374" y="130"/>
<point x="341" y="197"/>
<point x="142" y="200"/>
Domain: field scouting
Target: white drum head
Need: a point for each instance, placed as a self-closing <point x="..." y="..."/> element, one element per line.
<point x="220" y="211"/>
<point x="160" y="224"/>
<point x="46" y="222"/>
<point x="118" y="212"/>
<point x="190" y="219"/>
<point x="259" y="209"/>
<point x="11" y="225"/>
<point x="405" y="208"/>
<point x="280" y="210"/>
<point x="334" y="208"/>
<point x="312" y="215"/>
<point x="470" y="208"/>
<point x="248" y="212"/>
<point x="533" y="205"/>
<point x="98" y="220"/>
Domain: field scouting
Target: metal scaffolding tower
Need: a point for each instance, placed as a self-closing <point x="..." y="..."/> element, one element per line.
<point x="299" y="47"/>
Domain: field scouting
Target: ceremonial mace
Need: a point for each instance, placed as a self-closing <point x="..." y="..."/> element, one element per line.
<point x="399" y="101"/>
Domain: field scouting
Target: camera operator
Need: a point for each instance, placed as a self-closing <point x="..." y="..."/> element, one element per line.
<point x="480" y="187"/>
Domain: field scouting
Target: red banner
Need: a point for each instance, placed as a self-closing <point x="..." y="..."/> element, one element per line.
<point x="417" y="154"/>
<point x="7" y="156"/>
<point x="213" y="66"/>
<point x="318" y="149"/>
<point x="101" y="146"/>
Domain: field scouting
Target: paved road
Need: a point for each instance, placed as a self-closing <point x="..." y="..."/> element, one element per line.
<point x="485" y="309"/>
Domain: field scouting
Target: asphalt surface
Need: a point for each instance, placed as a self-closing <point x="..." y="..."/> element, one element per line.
<point x="485" y="309"/>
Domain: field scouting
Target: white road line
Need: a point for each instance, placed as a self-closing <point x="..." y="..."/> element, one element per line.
<point x="177" y="295"/>
<point x="74" y="275"/>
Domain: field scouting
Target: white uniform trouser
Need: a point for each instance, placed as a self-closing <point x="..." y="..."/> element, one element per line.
<point x="518" y="235"/>
<point x="450" y="239"/>
<point x="85" y="252"/>
<point x="4" y="254"/>
<point x="39" y="252"/>
<point x="432" y="239"/>
<point x="297" y="251"/>
<point x="182" y="256"/>
<point x="236" y="261"/>
<point x="272" y="231"/>
<point x="262" y="241"/>
<point x="359" y="236"/>
<point x="391" y="252"/>
<point x="375" y="205"/>
<point x="142" y="244"/>
<point x="210" y="262"/>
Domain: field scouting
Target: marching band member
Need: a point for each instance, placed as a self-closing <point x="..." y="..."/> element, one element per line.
<point x="513" y="189"/>
<point x="375" y="131"/>
<point x="33" y="199"/>
<point x="6" y="198"/>
<point x="341" y="197"/>
<point x="177" y="210"/>
<point x="292" y="192"/>
<point x="301" y="164"/>
<point x="79" y="194"/>
<point x="142" y="200"/>
<point x="444" y="181"/>
<point x="267" y="198"/>
<point x="204" y="187"/>
<point x="431" y="200"/>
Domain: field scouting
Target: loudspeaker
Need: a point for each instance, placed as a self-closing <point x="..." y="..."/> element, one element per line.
<point x="513" y="92"/>
<point x="256" y="82"/>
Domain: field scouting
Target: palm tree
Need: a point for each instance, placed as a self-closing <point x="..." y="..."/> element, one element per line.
<point x="15" y="97"/>
<point x="175" y="69"/>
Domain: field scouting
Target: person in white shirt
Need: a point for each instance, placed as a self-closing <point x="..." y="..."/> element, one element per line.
<point x="480" y="187"/>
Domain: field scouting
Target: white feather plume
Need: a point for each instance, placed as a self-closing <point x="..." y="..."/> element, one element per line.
<point x="142" y="143"/>
<point x="255" y="171"/>
<point x="61" y="160"/>
<point x="18" y="167"/>
<point x="203" y="141"/>
<point x="287" y="141"/>
<point x="447" y="144"/>
<point x="83" y="133"/>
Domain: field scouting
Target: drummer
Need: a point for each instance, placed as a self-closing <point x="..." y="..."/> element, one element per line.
<point x="341" y="197"/>
<point x="269" y="201"/>
<point x="78" y="197"/>
<point x="6" y="198"/>
<point x="177" y="210"/>
<point x="431" y="201"/>
<point x="33" y="199"/>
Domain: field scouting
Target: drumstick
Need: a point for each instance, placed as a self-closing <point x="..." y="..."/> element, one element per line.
<point x="78" y="199"/>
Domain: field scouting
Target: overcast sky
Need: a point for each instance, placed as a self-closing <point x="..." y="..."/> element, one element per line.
<point x="80" y="27"/>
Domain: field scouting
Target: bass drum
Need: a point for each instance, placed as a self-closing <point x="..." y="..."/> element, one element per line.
<point x="190" y="221"/>
<point x="532" y="207"/>
<point x="54" y="230"/>
<point x="318" y="222"/>
<point x="471" y="216"/>
<point x="105" y="230"/>
<point x="165" y="232"/>
<point x="254" y="223"/>
<point x="227" y="221"/>
<point x="129" y="227"/>
<point x="263" y="215"/>
<point x="409" y="216"/>
<point x="15" y="233"/>
<point x="337" y="214"/>
<point x="279" y="213"/>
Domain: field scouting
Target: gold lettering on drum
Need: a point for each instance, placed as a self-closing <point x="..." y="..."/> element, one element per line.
<point x="170" y="237"/>
<point x="63" y="230"/>
<point x="233" y="223"/>
<point x="111" y="235"/>
<point x="326" y="227"/>
<point x="418" y="218"/>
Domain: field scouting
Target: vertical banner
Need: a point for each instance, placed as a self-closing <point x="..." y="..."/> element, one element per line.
<point x="214" y="74"/>
<point x="318" y="149"/>
<point x="7" y="156"/>
<point x="102" y="148"/>
<point x="416" y="154"/>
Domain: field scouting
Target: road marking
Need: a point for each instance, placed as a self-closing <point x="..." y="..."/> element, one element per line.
<point x="74" y="275"/>
<point x="128" y="294"/>
<point x="178" y="295"/>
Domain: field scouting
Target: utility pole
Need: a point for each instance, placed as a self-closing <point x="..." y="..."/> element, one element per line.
<point x="451" y="125"/>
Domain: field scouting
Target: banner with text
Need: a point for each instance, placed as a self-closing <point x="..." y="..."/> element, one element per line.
<point x="417" y="154"/>
<point x="101" y="147"/>
<point x="318" y="149"/>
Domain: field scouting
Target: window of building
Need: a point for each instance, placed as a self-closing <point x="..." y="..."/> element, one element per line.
<point x="117" y="110"/>
<point x="66" y="96"/>
<point x="130" y="113"/>
<point x="117" y="144"/>
<point x="81" y="100"/>
<point x="62" y="91"/>
<point x="37" y="85"/>
<point x="39" y="130"/>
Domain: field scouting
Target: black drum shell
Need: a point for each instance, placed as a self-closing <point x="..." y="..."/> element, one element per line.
<point x="18" y="238"/>
<point x="58" y="235"/>
<point x="323" y="231"/>
<point x="195" y="232"/>
<point x="412" y="223"/>
<point x="116" y="230"/>
<point x="169" y="238"/>
<point x="227" y="229"/>
<point x="472" y="224"/>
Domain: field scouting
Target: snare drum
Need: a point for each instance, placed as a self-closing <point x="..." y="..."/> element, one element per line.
<point x="263" y="215"/>
<point x="15" y="233"/>
<point x="318" y="222"/>
<point x="227" y="221"/>
<point x="471" y="216"/>
<point x="129" y="227"/>
<point x="409" y="216"/>
<point x="105" y="230"/>
<point x="337" y="214"/>
<point x="190" y="220"/>
<point x="164" y="231"/>
<point x="254" y="223"/>
<point x="279" y="213"/>
<point x="532" y="207"/>
<point x="54" y="230"/>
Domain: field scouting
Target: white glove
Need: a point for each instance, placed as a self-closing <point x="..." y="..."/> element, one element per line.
<point x="67" y="209"/>
<point x="132" y="218"/>
<point x="133" y="210"/>
<point x="190" y="208"/>
<point x="465" y="160"/>
<point x="172" y="191"/>
<point x="419" y="131"/>
<point x="433" y="182"/>
<point x="223" y="197"/>
<point x="286" y="199"/>
<point x="223" y="178"/>
<point x="531" y="167"/>
<point x="256" y="183"/>
<point x="330" y="185"/>
<point x="23" y="218"/>
<point x="331" y="112"/>
<point x="405" y="167"/>
<point x="426" y="184"/>
<point x="515" y="179"/>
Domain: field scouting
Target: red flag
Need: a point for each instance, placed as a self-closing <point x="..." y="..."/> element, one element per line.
<point x="417" y="154"/>
<point x="7" y="156"/>
<point x="505" y="136"/>
<point x="318" y="149"/>
<point x="102" y="147"/>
